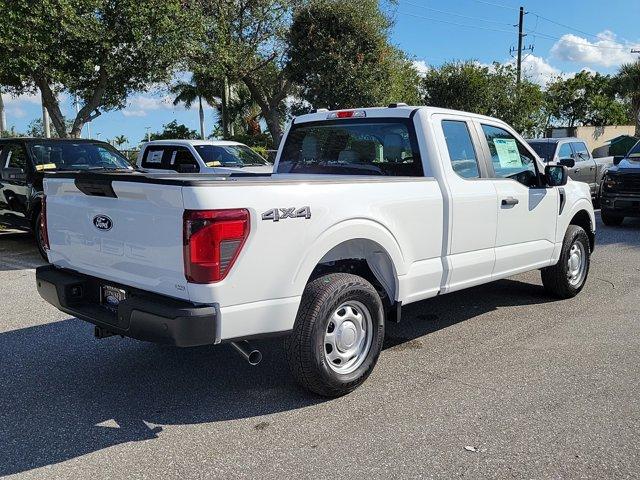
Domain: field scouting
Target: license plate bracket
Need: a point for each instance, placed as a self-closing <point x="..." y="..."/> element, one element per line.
<point x="110" y="296"/>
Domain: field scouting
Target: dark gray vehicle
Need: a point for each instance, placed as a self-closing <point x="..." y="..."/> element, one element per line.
<point x="573" y="153"/>
<point x="23" y="164"/>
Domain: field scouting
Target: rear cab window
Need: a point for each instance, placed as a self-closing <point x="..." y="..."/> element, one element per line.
<point x="545" y="150"/>
<point x="355" y="146"/>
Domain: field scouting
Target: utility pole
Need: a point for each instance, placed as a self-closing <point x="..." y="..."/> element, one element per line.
<point x="3" y="116"/>
<point x="520" y="38"/>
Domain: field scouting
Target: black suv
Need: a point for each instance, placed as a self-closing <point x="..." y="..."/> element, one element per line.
<point x="620" y="195"/>
<point x="23" y="164"/>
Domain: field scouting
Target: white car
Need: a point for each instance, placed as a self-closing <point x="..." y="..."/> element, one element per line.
<point x="369" y="210"/>
<point x="201" y="156"/>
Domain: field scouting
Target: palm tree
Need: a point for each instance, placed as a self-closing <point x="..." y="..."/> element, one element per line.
<point x="120" y="140"/>
<point x="628" y="80"/>
<point x="189" y="92"/>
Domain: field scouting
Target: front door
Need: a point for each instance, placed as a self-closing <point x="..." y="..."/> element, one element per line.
<point x="527" y="211"/>
<point x="14" y="167"/>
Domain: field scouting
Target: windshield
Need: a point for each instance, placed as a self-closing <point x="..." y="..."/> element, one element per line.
<point x="544" y="150"/>
<point x="635" y="151"/>
<point x="65" y="155"/>
<point x="384" y="146"/>
<point x="230" y="156"/>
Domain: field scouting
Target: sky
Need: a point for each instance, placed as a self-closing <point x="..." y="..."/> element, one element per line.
<point x="567" y="36"/>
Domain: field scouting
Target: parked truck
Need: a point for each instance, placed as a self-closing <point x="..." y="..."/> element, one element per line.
<point x="621" y="189"/>
<point x="369" y="210"/>
<point x="573" y="153"/>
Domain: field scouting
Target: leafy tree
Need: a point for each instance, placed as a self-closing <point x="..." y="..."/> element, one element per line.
<point x="197" y="89"/>
<point x="174" y="131"/>
<point x="492" y="91"/>
<point x="628" y="84"/>
<point x="36" y="129"/>
<point x="340" y="56"/>
<point x="584" y="99"/>
<point x="459" y="85"/>
<point x="97" y="50"/>
<point x="244" y="43"/>
<point x="120" y="140"/>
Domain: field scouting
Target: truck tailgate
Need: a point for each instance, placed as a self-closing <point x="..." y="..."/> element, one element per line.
<point x="132" y="236"/>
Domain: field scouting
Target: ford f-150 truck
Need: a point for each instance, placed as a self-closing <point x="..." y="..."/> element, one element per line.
<point x="621" y="188"/>
<point x="368" y="210"/>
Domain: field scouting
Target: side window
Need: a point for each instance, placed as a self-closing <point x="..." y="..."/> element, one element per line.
<point x="461" y="152"/>
<point x="510" y="159"/>
<point x="565" y="151"/>
<point x="152" y="157"/>
<point x="16" y="157"/>
<point x="181" y="159"/>
<point x="581" y="151"/>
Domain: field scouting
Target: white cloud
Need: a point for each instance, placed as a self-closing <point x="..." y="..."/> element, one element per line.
<point x="606" y="51"/>
<point x="32" y="98"/>
<point x="421" y="66"/>
<point x="538" y="70"/>
<point x="16" y="112"/>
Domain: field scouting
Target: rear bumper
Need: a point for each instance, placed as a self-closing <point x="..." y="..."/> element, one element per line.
<point x="627" y="205"/>
<point x="143" y="315"/>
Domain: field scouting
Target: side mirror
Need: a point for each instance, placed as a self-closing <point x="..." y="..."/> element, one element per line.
<point x="617" y="159"/>
<point x="556" y="175"/>
<point x="567" y="162"/>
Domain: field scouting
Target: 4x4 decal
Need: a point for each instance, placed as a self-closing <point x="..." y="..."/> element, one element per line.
<point x="277" y="214"/>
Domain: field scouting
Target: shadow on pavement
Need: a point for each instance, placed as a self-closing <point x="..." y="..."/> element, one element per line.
<point x="627" y="234"/>
<point x="18" y="251"/>
<point x="58" y="384"/>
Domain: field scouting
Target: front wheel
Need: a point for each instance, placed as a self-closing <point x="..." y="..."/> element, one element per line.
<point x="566" y="278"/>
<point x="337" y="336"/>
<point x="610" y="219"/>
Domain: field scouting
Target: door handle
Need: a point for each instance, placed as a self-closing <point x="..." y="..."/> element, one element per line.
<point x="509" y="201"/>
<point x="577" y="170"/>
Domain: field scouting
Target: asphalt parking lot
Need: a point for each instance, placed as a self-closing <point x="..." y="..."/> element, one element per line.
<point x="532" y="387"/>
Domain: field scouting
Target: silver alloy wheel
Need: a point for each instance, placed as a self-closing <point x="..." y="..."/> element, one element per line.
<point x="576" y="264"/>
<point x="348" y="337"/>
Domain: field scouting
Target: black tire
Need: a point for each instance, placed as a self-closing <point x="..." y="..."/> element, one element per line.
<point x="37" y="235"/>
<point x="611" y="219"/>
<point x="555" y="279"/>
<point x="305" y="347"/>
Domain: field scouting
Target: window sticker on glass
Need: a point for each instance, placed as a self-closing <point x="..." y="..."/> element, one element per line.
<point x="508" y="153"/>
<point x="155" y="156"/>
<point x="46" y="166"/>
<point x="215" y="163"/>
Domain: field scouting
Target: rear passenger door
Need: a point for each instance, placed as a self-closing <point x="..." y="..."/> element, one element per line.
<point x="471" y="209"/>
<point x="527" y="210"/>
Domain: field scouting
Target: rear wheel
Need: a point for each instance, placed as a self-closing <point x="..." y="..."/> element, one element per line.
<point x="338" y="334"/>
<point x="611" y="219"/>
<point x="38" y="236"/>
<point x="566" y="278"/>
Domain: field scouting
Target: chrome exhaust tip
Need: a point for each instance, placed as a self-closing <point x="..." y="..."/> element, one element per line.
<point x="244" y="348"/>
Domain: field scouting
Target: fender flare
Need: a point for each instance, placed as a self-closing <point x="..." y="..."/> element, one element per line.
<point x="345" y="231"/>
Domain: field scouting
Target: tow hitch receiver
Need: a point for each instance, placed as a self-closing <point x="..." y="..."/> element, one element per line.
<point x="100" y="332"/>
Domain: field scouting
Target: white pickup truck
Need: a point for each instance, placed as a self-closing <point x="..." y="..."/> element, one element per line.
<point x="368" y="210"/>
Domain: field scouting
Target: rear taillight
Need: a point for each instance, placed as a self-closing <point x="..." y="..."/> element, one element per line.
<point x="43" y="224"/>
<point x="212" y="242"/>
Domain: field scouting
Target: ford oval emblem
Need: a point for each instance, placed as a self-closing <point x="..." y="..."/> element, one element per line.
<point x="102" y="222"/>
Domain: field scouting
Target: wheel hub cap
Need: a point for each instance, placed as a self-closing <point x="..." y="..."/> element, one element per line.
<point x="347" y="339"/>
<point x="576" y="264"/>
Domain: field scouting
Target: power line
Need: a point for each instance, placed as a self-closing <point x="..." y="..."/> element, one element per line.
<point x="564" y="25"/>
<point x="458" y="14"/>
<point x="510" y="32"/>
<point x="508" y="7"/>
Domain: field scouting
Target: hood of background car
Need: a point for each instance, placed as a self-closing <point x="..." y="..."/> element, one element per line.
<point x="627" y="165"/>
